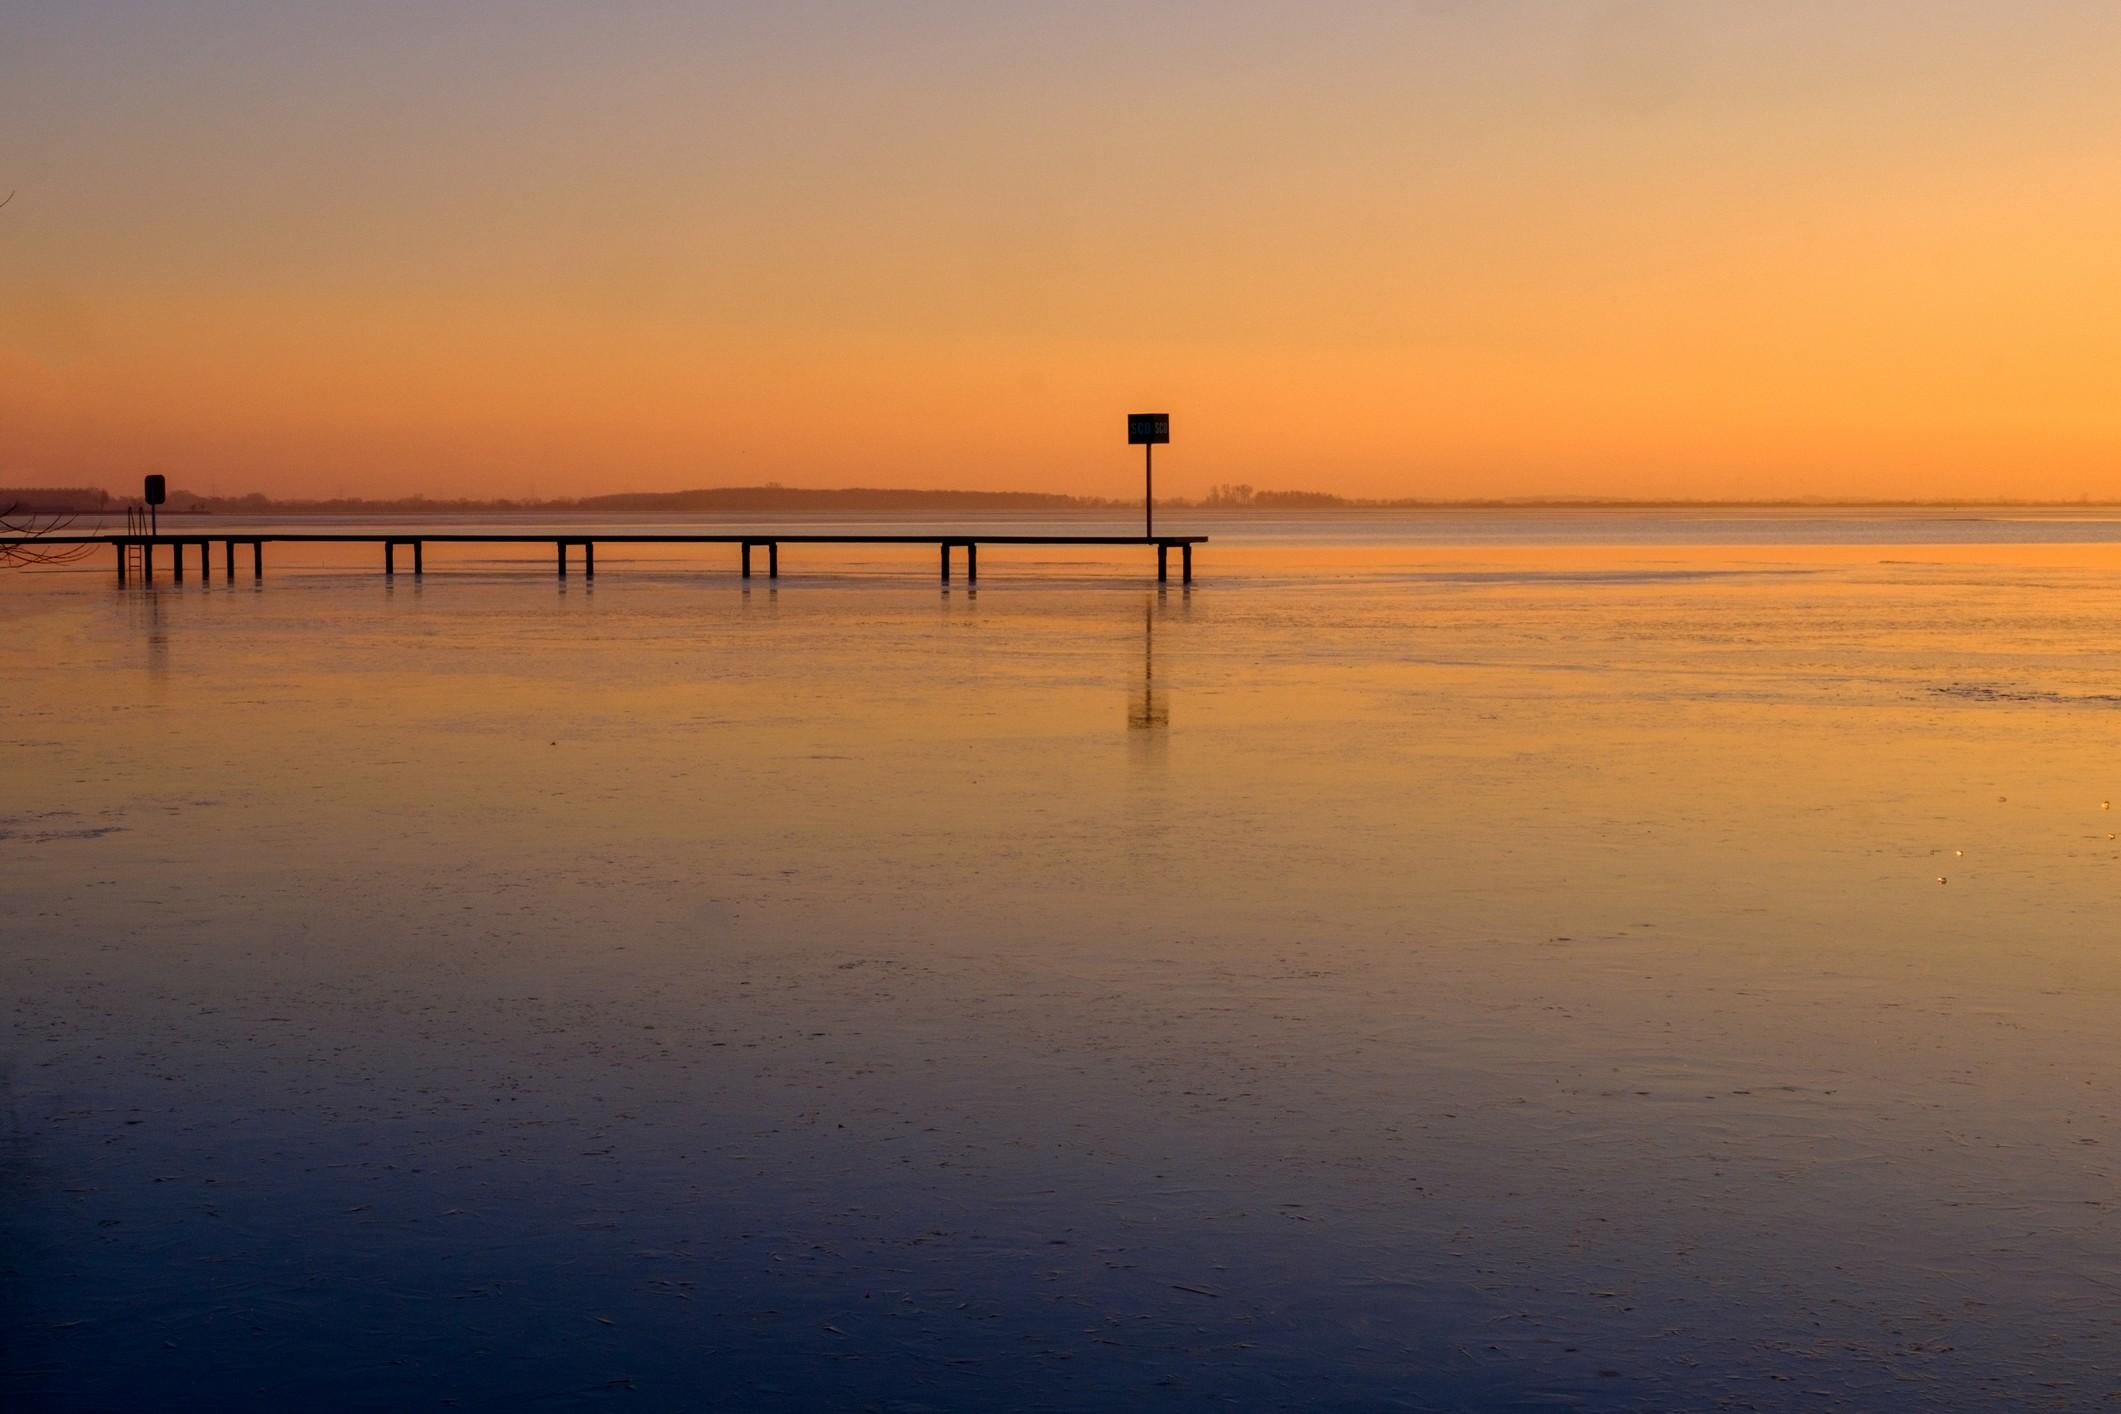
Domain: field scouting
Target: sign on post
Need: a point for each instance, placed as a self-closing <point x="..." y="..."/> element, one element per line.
<point x="157" y="491"/>
<point x="1146" y="429"/>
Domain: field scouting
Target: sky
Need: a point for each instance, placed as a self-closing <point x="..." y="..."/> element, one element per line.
<point x="1504" y="248"/>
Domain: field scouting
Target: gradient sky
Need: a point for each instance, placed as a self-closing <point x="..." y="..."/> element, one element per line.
<point x="1451" y="249"/>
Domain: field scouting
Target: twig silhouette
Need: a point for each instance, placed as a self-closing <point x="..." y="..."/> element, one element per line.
<point x="15" y="521"/>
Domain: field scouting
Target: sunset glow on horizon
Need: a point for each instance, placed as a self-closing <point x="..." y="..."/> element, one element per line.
<point x="1633" y="249"/>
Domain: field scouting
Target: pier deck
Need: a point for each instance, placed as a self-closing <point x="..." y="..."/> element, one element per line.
<point x="417" y="541"/>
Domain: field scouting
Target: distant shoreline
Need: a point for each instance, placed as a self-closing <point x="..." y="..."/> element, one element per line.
<point x="781" y="499"/>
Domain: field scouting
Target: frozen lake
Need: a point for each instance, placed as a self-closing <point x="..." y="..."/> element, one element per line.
<point x="1616" y="963"/>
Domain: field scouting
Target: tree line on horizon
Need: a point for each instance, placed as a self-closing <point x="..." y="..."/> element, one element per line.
<point x="92" y="501"/>
<point x="84" y="500"/>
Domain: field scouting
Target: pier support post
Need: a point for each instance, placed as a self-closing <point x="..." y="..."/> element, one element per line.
<point x="419" y="557"/>
<point x="946" y="562"/>
<point x="122" y="551"/>
<point x="390" y="558"/>
<point x="228" y="561"/>
<point x="1185" y="553"/>
<point x="176" y="559"/>
<point x="257" y="559"/>
<point x="589" y="559"/>
<point x="560" y="548"/>
<point x="773" y="559"/>
<point x="972" y="562"/>
<point x="747" y="559"/>
<point x="1163" y="563"/>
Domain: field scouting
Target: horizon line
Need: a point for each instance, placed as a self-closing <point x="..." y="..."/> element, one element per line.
<point x="89" y="500"/>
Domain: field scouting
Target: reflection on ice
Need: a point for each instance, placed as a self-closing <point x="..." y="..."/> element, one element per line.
<point x="1150" y="708"/>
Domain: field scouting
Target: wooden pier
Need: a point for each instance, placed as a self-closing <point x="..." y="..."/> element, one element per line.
<point x="128" y="547"/>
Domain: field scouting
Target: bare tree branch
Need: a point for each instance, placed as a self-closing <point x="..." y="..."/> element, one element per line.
<point x="14" y="521"/>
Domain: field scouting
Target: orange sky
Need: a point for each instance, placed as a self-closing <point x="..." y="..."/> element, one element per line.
<point x="1863" y="249"/>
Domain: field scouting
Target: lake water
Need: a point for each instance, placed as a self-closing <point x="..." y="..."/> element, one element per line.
<point x="1474" y="961"/>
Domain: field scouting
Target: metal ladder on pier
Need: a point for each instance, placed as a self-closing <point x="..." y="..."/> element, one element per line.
<point x="133" y="558"/>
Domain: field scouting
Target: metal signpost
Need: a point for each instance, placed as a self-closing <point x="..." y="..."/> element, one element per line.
<point x="157" y="492"/>
<point x="1148" y="428"/>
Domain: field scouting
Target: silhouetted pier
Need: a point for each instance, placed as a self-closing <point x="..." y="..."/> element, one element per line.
<point x="143" y="547"/>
